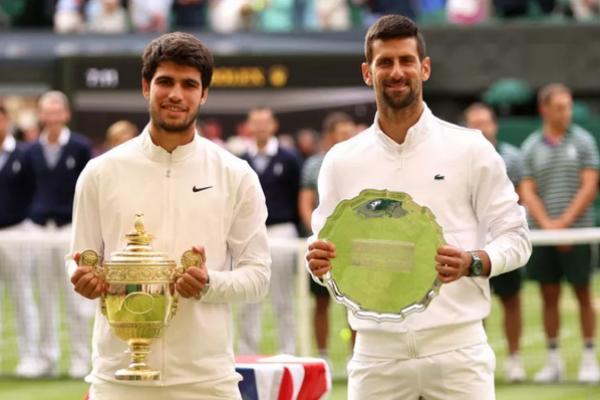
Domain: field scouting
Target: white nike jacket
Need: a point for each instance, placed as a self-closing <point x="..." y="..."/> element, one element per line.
<point x="197" y="195"/>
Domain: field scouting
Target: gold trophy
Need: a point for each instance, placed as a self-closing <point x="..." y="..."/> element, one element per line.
<point x="140" y="299"/>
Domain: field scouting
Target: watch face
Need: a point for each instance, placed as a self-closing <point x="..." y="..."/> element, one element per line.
<point x="476" y="265"/>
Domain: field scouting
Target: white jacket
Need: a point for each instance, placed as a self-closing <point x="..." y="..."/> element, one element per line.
<point x="228" y="219"/>
<point x="474" y="195"/>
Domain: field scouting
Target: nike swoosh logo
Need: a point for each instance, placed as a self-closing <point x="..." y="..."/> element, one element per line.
<point x="195" y="189"/>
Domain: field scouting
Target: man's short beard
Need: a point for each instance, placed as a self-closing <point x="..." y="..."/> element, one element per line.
<point x="175" y="128"/>
<point x="171" y="127"/>
<point x="399" y="104"/>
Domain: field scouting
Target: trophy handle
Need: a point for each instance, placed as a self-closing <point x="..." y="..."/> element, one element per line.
<point x="189" y="258"/>
<point x="90" y="258"/>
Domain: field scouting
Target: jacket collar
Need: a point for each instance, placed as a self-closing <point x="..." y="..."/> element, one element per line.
<point x="270" y="149"/>
<point x="157" y="153"/>
<point x="63" y="138"/>
<point x="9" y="144"/>
<point x="415" y="135"/>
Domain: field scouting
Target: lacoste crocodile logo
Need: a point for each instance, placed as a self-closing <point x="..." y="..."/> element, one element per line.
<point x="439" y="177"/>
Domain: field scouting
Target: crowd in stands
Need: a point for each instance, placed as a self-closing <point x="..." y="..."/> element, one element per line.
<point x="225" y="16"/>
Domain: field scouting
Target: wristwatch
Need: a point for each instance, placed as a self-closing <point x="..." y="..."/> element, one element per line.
<point x="476" y="267"/>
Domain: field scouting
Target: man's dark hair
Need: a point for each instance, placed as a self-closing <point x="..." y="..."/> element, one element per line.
<point x="331" y="120"/>
<point x="393" y="27"/>
<point x="180" y="48"/>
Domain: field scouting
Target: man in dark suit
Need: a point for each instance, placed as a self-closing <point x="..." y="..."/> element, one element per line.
<point x="15" y="198"/>
<point x="56" y="160"/>
<point x="278" y="170"/>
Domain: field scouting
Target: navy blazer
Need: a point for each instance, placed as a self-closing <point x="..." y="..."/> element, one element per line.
<point x="55" y="187"/>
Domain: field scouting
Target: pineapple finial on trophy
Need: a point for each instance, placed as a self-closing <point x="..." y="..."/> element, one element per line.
<point x="139" y="236"/>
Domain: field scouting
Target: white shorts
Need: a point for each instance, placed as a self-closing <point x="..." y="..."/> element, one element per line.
<point x="461" y="374"/>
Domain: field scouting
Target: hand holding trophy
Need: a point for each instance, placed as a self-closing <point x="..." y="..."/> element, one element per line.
<point x="137" y="294"/>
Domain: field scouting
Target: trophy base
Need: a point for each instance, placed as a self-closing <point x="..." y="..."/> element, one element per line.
<point x="138" y="369"/>
<point x="130" y="374"/>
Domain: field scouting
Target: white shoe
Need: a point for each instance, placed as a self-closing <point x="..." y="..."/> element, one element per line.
<point x="31" y="367"/>
<point x="552" y="372"/>
<point x="589" y="372"/>
<point x="78" y="369"/>
<point x="513" y="369"/>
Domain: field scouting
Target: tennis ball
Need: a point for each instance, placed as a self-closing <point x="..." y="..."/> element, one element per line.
<point x="345" y="334"/>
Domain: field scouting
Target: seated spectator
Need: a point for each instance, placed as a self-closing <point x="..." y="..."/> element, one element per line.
<point x="467" y="12"/>
<point x="106" y="16"/>
<point x="149" y="16"/>
<point x="333" y="14"/>
<point x="68" y="17"/>
<point x="585" y="9"/>
<point x="228" y="16"/>
<point x="277" y="15"/>
<point x="376" y="8"/>
<point x="190" y="14"/>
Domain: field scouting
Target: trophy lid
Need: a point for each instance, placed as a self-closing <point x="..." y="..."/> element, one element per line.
<point x="139" y="250"/>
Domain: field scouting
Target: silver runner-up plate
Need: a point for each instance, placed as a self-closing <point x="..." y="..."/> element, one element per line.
<point x="386" y="244"/>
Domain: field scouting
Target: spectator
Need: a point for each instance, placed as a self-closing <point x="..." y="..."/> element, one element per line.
<point x="239" y="143"/>
<point x="107" y="16"/>
<point x="333" y="15"/>
<point x="278" y="170"/>
<point x="306" y="143"/>
<point x="467" y="12"/>
<point x="212" y="130"/>
<point x="15" y="269"/>
<point x="227" y="16"/>
<point x="288" y="142"/>
<point x="560" y="182"/>
<point x="191" y="14"/>
<point x="150" y="16"/>
<point x="56" y="160"/>
<point x="304" y="14"/>
<point x="277" y="16"/>
<point x="337" y="127"/>
<point x="120" y="132"/>
<point x="377" y="8"/>
<point x="68" y="17"/>
<point x="28" y="125"/>
<point x="506" y="286"/>
<point x="585" y="10"/>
